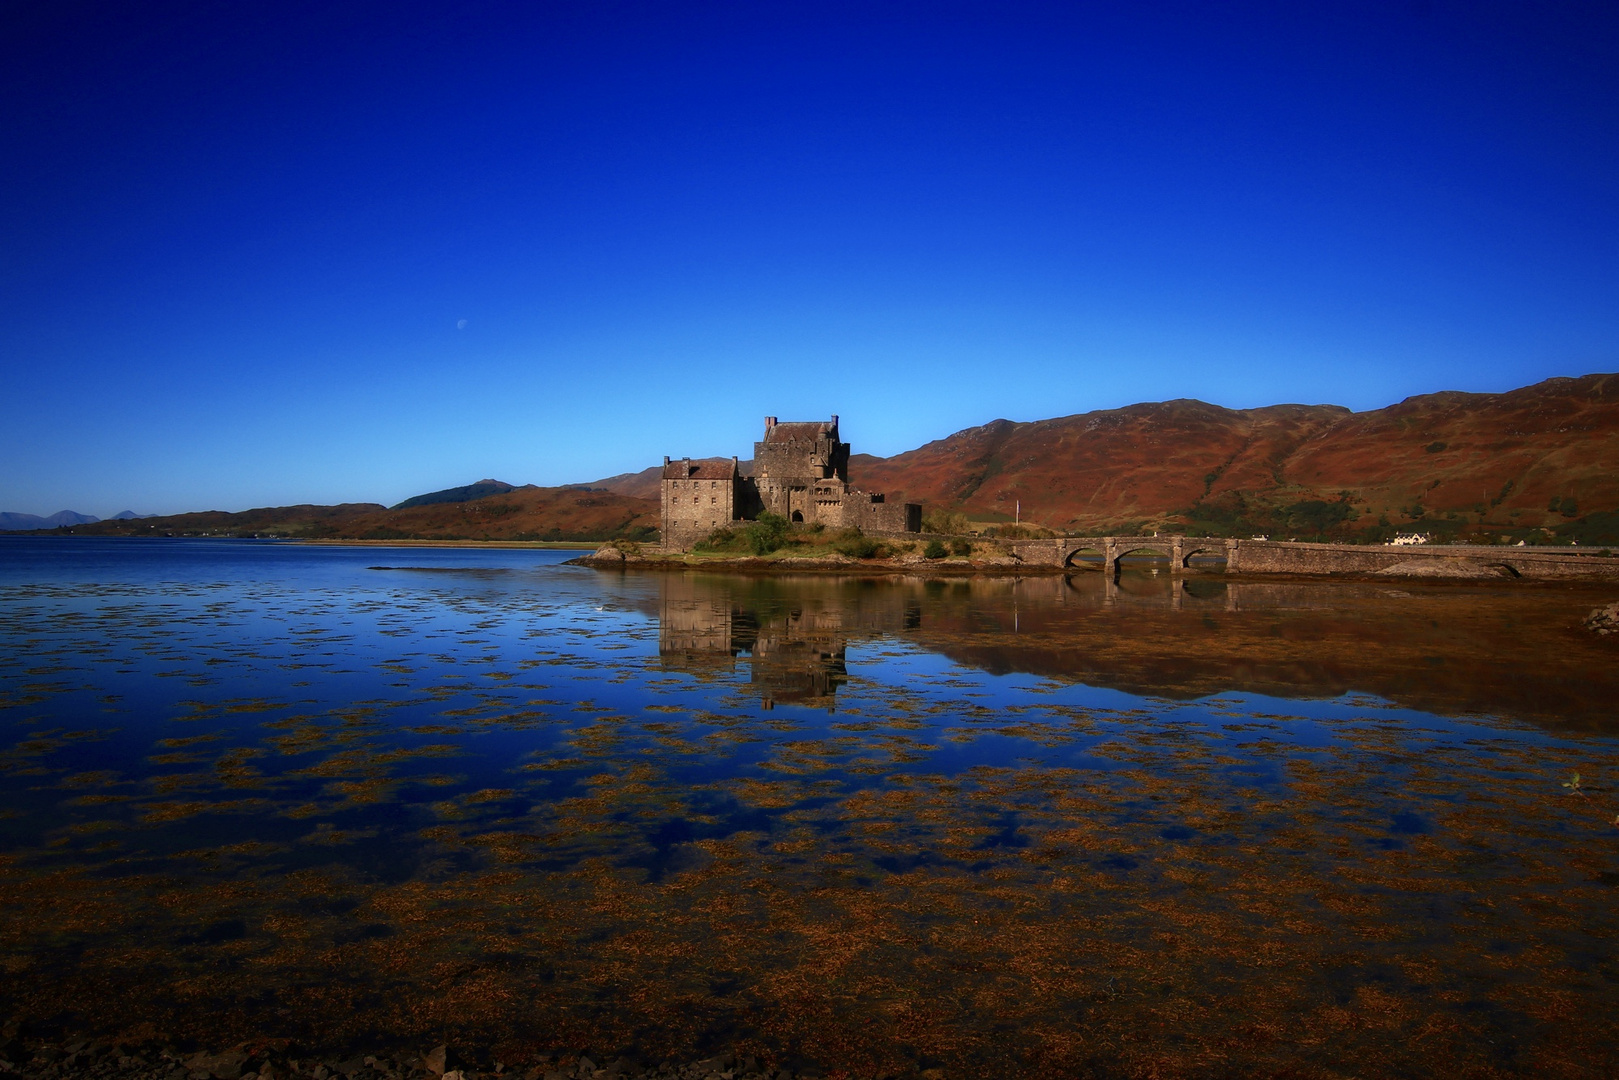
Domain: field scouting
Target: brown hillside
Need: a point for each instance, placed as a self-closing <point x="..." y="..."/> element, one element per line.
<point x="303" y="519"/>
<point x="1452" y="460"/>
<point x="526" y="513"/>
<point x="646" y="484"/>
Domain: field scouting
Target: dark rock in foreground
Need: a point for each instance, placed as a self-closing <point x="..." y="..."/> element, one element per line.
<point x="1604" y="620"/>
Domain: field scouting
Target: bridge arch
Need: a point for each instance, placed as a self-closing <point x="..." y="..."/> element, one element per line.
<point x="1082" y="557"/>
<point x="1088" y="552"/>
<point x="1208" y="549"/>
<point x="1121" y="549"/>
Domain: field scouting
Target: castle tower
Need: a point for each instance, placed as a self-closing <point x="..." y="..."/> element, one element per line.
<point x="802" y="470"/>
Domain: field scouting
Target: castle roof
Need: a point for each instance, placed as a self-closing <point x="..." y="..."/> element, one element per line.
<point x="700" y="469"/>
<point x="807" y="431"/>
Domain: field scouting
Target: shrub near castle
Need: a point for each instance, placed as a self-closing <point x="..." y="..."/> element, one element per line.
<point x="772" y="533"/>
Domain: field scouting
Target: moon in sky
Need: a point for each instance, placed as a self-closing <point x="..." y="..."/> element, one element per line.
<point x="460" y="324"/>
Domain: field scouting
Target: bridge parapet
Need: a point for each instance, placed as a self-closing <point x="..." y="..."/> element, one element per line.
<point x="1437" y="560"/>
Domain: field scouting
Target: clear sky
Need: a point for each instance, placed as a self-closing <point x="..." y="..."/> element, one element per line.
<point x="256" y="254"/>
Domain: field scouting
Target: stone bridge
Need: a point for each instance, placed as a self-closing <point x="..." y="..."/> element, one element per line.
<point x="1283" y="557"/>
<point x="1066" y="551"/>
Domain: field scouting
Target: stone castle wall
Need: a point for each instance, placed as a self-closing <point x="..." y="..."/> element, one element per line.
<point x="699" y="497"/>
<point x="801" y="473"/>
<point x="873" y="514"/>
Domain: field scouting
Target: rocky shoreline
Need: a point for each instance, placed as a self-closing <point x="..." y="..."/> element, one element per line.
<point x="610" y="557"/>
<point x="55" y="1059"/>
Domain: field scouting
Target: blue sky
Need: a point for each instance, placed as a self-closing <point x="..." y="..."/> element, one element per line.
<point x="258" y="254"/>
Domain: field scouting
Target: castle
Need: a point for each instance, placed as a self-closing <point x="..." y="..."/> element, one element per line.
<point x="801" y="472"/>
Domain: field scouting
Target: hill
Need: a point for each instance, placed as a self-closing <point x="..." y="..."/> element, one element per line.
<point x="302" y="520"/>
<point x="1544" y="456"/>
<point x="526" y="513"/>
<point x="466" y="493"/>
<point x="645" y="484"/>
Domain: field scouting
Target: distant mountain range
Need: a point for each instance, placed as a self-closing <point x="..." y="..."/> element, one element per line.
<point x="515" y="513"/>
<point x="1542" y="457"/>
<point x="13" y="522"/>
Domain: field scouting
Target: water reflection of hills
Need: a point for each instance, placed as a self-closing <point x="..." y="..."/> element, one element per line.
<point x="1510" y="649"/>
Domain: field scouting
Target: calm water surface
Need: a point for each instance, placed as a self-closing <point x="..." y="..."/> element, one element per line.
<point x="1147" y="827"/>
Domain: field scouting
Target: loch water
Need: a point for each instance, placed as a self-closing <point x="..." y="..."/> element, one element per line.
<point x="1049" y="825"/>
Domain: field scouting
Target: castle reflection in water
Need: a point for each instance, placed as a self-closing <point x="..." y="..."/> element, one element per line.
<point x="794" y="631"/>
<point x="795" y="639"/>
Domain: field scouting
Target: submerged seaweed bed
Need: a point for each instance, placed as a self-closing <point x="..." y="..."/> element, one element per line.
<point x="262" y="794"/>
<point x="145" y="1058"/>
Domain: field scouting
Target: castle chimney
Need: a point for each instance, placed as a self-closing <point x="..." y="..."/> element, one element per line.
<point x="666" y="461"/>
<point x="770" y="422"/>
<point x="834" y="419"/>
